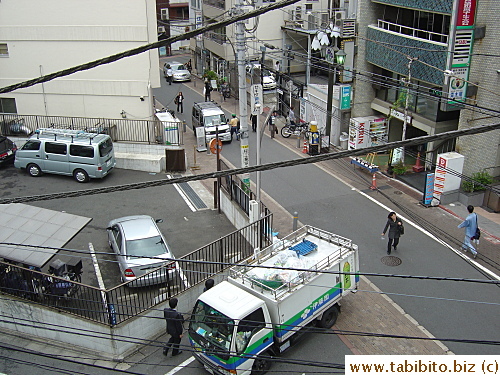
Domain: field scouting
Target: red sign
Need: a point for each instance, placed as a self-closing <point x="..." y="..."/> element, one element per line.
<point x="466" y="12"/>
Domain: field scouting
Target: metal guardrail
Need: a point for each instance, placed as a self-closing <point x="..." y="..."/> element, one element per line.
<point x="118" y="304"/>
<point x="120" y="130"/>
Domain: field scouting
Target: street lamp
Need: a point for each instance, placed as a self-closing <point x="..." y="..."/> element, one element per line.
<point x="340" y="57"/>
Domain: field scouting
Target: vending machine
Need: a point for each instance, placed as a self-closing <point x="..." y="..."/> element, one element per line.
<point x="367" y="131"/>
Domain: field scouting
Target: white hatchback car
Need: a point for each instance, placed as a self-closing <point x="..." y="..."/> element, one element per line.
<point x="142" y="251"/>
<point x="180" y="71"/>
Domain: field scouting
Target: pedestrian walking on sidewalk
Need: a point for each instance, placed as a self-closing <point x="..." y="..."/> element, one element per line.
<point x="174" y="327"/>
<point x="207" y="90"/>
<point x="253" y="120"/>
<point x="395" y="226"/>
<point x="170" y="74"/>
<point x="273" y="129"/>
<point x="179" y="99"/>
<point x="234" y="123"/>
<point x="209" y="284"/>
<point x="470" y="225"/>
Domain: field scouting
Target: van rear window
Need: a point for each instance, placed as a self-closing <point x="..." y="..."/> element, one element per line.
<point x="105" y="147"/>
<point x="83" y="151"/>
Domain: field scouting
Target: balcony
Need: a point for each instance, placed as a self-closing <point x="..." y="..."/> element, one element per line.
<point x="416" y="33"/>
<point x="434" y="6"/>
<point x="216" y="37"/>
<point x="386" y="38"/>
<point x="220" y="4"/>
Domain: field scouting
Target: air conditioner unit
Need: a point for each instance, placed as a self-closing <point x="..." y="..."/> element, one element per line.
<point x="298" y="15"/>
<point x="338" y="17"/>
<point x="161" y="29"/>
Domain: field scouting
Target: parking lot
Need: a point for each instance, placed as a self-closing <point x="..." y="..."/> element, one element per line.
<point x="185" y="230"/>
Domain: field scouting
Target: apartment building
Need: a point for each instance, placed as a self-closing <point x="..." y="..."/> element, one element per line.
<point x="37" y="39"/>
<point x="436" y="42"/>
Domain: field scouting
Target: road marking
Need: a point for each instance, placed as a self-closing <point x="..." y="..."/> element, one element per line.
<point x="183" y="195"/>
<point x="100" y="281"/>
<point x="181" y="366"/>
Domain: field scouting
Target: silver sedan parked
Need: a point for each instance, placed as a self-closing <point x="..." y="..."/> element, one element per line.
<point x="142" y="252"/>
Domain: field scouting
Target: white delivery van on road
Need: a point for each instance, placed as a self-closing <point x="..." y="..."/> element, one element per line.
<point x="237" y="325"/>
<point x="68" y="152"/>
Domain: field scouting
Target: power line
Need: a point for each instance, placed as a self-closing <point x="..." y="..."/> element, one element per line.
<point x="147" y="47"/>
<point x="262" y="167"/>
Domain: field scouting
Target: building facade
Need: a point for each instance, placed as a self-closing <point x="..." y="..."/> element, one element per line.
<point x="39" y="39"/>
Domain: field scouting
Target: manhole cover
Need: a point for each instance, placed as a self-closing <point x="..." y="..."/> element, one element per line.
<point x="391" y="261"/>
<point x="398" y="192"/>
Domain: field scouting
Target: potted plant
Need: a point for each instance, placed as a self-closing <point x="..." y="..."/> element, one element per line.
<point x="399" y="168"/>
<point x="473" y="189"/>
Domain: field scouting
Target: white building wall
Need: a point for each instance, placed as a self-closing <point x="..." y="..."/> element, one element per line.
<point x="62" y="34"/>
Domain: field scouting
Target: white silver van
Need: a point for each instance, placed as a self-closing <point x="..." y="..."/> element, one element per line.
<point x="211" y="116"/>
<point x="68" y="152"/>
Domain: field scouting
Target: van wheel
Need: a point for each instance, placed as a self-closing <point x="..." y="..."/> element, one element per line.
<point x="329" y="317"/>
<point x="34" y="170"/>
<point x="261" y="365"/>
<point x="80" y="175"/>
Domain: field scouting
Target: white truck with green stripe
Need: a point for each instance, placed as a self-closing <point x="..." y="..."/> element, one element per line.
<point x="240" y="324"/>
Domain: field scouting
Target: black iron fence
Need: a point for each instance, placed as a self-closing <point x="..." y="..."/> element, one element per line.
<point x="128" y="300"/>
<point x="120" y="130"/>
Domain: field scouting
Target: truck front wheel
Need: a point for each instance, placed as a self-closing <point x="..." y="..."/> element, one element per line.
<point x="329" y="317"/>
<point x="261" y="365"/>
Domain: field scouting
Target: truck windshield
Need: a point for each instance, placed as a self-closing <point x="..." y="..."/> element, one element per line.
<point x="219" y="119"/>
<point x="211" y="329"/>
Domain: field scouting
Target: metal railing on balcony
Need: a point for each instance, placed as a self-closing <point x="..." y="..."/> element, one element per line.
<point x="221" y="4"/>
<point x="120" y="130"/>
<point x="216" y="37"/>
<point x="416" y="33"/>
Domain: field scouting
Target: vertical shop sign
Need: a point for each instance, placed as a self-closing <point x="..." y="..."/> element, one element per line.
<point x="429" y="188"/>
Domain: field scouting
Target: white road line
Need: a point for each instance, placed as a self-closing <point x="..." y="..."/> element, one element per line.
<point x="100" y="281"/>
<point x="183" y="195"/>
<point x="96" y="266"/>
<point x="181" y="366"/>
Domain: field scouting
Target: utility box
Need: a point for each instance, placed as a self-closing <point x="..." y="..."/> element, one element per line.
<point x="175" y="159"/>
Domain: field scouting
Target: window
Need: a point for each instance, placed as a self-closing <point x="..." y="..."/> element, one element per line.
<point x="83" y="151"/>
<point x="4" y="50"/>
<point x="55" y="148"/>
<point x="105" y="148"/>
<point x="247" y="327"/>
<point x="8" y="105"/>
<point x="31" y="146"/>
<point x="164" y="14"/>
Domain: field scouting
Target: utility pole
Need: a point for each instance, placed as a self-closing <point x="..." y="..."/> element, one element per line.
<point x="407" y="103"/>
<point x="240" y="55"/>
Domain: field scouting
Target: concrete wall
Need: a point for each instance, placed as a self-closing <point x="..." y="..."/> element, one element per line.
<point x="66" y="330"/>
<point x="60" y="35"/>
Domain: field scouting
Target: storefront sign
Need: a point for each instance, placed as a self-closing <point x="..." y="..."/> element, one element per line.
<point x="429" y="188"/>
<point x="345" y="97"/>
<point x="466" y="12"/>
<point x="400" y="116"/>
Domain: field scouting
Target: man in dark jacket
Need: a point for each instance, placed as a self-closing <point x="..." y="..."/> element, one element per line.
<point x="174" y="327"/>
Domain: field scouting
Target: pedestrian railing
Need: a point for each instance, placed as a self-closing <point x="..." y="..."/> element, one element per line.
<point x="120" y="130"/>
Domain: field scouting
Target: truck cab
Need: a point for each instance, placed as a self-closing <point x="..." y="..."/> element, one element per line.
<point x="227" y="338"/>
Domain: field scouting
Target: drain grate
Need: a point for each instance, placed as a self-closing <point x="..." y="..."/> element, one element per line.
<point x="191" y="194"/>
<point x="391" y="261"/>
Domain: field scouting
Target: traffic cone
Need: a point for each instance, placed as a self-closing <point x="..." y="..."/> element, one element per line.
<point x="304" y="149"/>
<point x="374" y="183"/>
